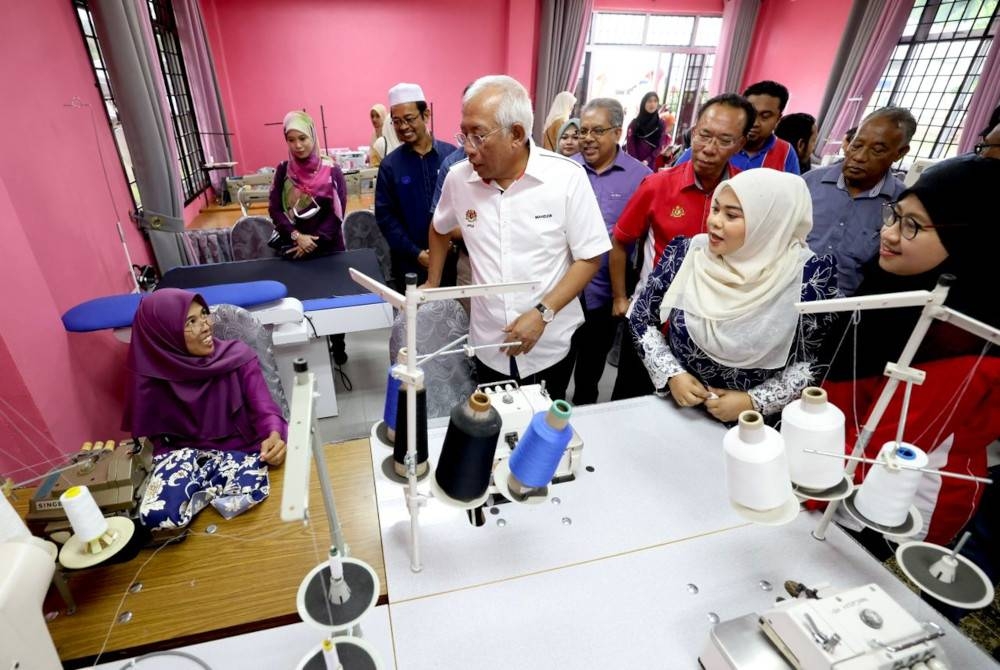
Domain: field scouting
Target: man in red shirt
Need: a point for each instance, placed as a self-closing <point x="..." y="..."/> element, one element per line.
<point x="675" y="201"/>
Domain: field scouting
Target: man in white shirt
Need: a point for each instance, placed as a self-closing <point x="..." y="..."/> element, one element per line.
<point x="525" y="214"/>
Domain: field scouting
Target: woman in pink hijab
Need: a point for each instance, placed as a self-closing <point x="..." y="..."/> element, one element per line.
<point x="308" y="196"/>
<point x="206" y="407"/>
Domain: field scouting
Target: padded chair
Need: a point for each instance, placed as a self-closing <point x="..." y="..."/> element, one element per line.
<point x="361" y="232"/>
<point x="250" y="236"/>
<point x="236" y="323"/>
<point x="449" y="380"/>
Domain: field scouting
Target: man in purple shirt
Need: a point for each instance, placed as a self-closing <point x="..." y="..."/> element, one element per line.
<point x="614" y="176"/>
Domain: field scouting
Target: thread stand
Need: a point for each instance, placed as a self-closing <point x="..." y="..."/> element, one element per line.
<point x="337" y="593"/>
<point x="933" y="309"/>
<point x="944" y="574"/>
<point x="839" y="491"/>
<point x="411" y="375"/>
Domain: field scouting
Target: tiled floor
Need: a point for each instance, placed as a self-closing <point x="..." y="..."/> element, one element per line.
<point x="368" y="359"/>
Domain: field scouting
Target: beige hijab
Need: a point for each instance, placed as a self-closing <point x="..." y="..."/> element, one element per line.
<point x="740" y="308"/>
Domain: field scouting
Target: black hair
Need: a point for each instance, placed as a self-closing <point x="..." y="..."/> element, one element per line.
<point x="771" y="88"/>
<point x="421" y="106"/>
<point x="850" y="133"/>
<point x="795" y="127"/>
<point x="735" y="101"/>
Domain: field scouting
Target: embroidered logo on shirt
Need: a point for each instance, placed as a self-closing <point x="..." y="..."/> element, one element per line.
<point x="677" y="212"/>
<point x="405" y="179"/>
<point x="543" y="216"/>
<point x="470" y="217"/>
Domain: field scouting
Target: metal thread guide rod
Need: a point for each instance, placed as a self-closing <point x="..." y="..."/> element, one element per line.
<point x="412" y="376"/>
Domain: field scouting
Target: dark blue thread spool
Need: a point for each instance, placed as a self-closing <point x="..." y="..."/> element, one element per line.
<point x="536" y="457"/>
<point x="466" y="461"/>
<point x="392" y="386"/>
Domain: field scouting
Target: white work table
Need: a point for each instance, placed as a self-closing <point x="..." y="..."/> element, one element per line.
<point x="609" y="589"/>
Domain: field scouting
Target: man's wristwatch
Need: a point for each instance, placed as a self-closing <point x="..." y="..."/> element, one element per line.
<point x="547" y="313"/>
<point x="295" y="235"/>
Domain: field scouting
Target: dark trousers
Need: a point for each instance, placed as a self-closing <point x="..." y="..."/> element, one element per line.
<point x="592" y="341"/>
<point x="556" y="377"/>
<point x="633" y="380"/>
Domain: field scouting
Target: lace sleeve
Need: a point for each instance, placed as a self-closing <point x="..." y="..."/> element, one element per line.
<point x="644" y="320"/>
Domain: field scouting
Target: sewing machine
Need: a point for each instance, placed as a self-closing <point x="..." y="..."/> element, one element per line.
<point x="856" y="629"/>
<point x="115" y="473"/>
<point x="516" y="405"/>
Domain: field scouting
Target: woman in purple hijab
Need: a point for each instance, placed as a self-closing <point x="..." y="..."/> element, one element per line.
<point x="206" y="407"/>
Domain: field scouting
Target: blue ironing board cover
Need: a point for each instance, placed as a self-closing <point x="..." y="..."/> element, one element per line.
<point x="117" y="311"/>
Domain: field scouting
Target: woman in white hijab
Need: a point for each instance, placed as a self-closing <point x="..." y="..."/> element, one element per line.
<point x="559" y="113"/>
<point x="726" y="299"/>
<point x="378" y="145"/>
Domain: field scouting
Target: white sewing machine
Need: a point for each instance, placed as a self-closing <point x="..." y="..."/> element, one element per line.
<point x="857" y="629"/>
<point x="516" y="405"/>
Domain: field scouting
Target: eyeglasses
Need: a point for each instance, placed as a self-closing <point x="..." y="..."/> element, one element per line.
<point x="723" y="142"/>
<point x="405" y="121"/>
<point x="192" y="322"/>
<point x="908" y="227"/>
<point x="475" y="140"/>
<point x="598" y="133"/>
<point x="983" y="146"/>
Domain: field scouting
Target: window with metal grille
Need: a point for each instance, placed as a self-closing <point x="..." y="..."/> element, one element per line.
<point x="190" y="155"/>
<point x="630" y="54"/>
<point x="103" y="83"/>
<point x="934" y="70"/>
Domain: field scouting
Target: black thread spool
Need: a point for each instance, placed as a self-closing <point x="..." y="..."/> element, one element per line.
<point x="466" y="462"/>
<point x="402" y="429"/>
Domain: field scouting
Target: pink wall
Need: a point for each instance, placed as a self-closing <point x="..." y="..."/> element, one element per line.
<point x="60" y="243"/>
<point x="795" y="43"/>
<point x="275" y="56"/>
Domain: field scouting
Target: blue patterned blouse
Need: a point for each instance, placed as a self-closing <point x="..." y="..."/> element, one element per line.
<point x="668" y="356"/>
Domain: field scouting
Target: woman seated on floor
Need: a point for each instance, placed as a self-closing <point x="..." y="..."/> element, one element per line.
<point x="206" y="407"/>
<point x="716" y="323"/>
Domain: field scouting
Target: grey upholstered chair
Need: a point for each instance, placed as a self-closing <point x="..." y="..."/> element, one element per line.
<point x="250" y="236"/>
<point x="236" y="323"/>
<point x="449" y="380"/>
<point x="362" y="232"/>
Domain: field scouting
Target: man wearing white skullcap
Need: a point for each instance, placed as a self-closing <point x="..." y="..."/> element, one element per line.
<point x="406" y="180"/>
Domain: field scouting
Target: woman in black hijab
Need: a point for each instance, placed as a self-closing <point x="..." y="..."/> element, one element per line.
<point x="647" y="135"/>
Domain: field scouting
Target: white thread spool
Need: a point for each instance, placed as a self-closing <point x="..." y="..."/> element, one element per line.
<point x="330" y="656"/>
<point x="813" y="423"/>
<point x="12" y="528"/>
<point x="756" y="465"/>
<point x="888" y="491"/>
<point x="83" y="513"/>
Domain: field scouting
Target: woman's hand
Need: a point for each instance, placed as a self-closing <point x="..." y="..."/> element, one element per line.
<point x="728" y="405"/>
<point x="304" y="244"/>
<point x="686" y="390"/>
<point x="272" y="450"/>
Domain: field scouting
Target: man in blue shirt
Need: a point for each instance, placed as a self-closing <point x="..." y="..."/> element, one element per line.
<point x="406" y="180"/>
<point x="763" y="148"/>
<point x="849" y="197"/>
<point x="614" y="176"/>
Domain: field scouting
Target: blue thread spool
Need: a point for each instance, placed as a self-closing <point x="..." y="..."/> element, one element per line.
<point x="391" y="403"/>
<point x="536" y="457"/>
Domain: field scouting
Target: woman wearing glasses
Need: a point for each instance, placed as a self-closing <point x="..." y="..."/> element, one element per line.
<point x="733" y="339"/>
<point x="308" y="196"/>
<point x="206" y="407"/>
<point x="943" y="224"/>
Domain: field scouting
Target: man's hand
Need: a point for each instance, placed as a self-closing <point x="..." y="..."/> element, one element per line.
<point x="686" y="390"/>
<point x="729" y="404"/>
<point x="424" y="258"/>
<point x="619" y="307"/>
<point x="526" y="329"/>
<point x="272" y="450"/>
